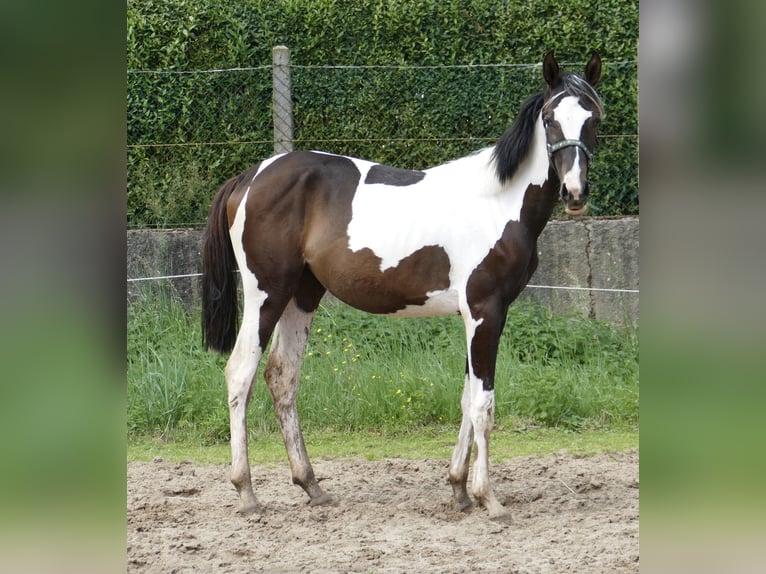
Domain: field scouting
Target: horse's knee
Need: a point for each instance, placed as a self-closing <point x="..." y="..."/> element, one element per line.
<point x="483" y="412"/>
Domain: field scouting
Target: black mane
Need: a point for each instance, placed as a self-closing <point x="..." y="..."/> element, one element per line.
<point x="513" y="145"/>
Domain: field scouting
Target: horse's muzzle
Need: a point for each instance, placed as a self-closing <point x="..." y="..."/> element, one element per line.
<point x="576" y="208"/>
<point x="576" y="203"/>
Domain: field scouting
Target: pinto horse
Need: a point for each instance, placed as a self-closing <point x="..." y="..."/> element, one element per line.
<point x="457" y="238"/>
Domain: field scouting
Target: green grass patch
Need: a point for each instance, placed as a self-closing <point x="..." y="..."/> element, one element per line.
<point x="428" y="443"/>
<point x="372" y="374"/>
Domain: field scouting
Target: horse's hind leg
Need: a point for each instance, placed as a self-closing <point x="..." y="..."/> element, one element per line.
<point x="240" y="374"/>
<point x="282" y="377"/>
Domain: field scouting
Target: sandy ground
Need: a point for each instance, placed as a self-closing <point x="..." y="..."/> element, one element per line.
<point x="570" y="514"/>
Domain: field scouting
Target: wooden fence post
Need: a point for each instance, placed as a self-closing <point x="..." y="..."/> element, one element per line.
<point x="282" y="101"/>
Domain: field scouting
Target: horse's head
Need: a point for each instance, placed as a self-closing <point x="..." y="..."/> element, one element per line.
<point x="571" y="113"/>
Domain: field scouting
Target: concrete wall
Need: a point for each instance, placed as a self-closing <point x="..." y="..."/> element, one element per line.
<point x="153" y="253"/>
<point x="596" y="253"/>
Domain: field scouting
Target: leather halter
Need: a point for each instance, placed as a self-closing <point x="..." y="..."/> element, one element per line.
<point x="553" y="148"/>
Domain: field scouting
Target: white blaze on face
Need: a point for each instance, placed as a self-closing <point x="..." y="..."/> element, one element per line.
<point x="571" y="117"/>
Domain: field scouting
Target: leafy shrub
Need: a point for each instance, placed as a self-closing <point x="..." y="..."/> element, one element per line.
<point x="410" y="117"/>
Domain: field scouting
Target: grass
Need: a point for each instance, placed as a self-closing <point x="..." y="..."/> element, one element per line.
<point x="429" y="443"/>
<point x="373" y="376"/>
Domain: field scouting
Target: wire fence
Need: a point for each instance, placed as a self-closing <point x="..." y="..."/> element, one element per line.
<point x="190" y="130"/>
<point x="554" y="287"/>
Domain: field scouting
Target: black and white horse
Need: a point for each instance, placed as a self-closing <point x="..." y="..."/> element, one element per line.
<point x="457" y="238"/>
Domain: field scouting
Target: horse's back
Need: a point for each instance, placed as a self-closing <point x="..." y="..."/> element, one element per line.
<point x="382" y="239"/>
<point x="298" y="212"/>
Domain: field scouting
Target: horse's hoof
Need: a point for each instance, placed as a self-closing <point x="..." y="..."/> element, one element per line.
<point x="251" y="508"/>
<point x="463" y="504"/>
<point x="501" y="518"/>
<point x="465" y="508"/>
<point x="323" y="499"/>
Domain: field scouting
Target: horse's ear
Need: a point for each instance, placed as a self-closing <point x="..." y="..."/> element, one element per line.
<point x="550" y="69"/>
<point x="593" y="69"/>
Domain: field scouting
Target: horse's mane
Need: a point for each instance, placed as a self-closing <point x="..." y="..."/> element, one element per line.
<point x="513" y="145"/>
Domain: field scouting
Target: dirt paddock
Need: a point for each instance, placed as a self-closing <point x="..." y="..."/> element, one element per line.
<point x="569" y="514"/>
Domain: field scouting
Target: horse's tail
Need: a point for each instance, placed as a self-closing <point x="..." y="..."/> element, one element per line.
<point x="219" y="282"/>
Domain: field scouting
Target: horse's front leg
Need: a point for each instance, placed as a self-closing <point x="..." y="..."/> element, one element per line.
<point x="483" y="336"/>
<point x="461" y="456"/>
<point x="282" y="377"/>
<point x="482" y="415"/>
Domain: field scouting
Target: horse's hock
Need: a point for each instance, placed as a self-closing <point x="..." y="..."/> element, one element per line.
<point x="587" y="253"/>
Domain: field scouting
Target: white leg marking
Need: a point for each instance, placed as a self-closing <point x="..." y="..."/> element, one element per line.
<point x="241" y="369"/>
<point x="465" y="439"/>
<point x="461" y="456"/>
<point x="482" y="415"/>
<point x="482" y="412"/>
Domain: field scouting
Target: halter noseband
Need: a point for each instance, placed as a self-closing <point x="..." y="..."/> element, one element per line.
<point x="553" y="148"/>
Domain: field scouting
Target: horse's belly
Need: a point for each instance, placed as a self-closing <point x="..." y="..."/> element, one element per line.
<point x="438" y="303"/>
<point x="383" y="300"/>
<point x="419" y="285"/>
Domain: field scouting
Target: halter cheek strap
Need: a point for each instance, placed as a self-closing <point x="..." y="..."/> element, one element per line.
<point x="553" y="148"/>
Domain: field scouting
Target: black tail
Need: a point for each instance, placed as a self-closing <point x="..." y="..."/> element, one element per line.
<point x="219" y="281"/>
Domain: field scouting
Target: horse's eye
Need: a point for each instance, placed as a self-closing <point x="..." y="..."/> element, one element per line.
<point x="546" y="121"/>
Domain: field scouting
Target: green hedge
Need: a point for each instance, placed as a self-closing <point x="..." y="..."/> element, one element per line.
<point x="371" y="109"/>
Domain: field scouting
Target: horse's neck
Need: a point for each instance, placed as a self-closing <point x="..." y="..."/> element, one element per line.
<point x="538" y="206"/>
<point x="537" y="182"/>
<point x="529" y="196"/>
